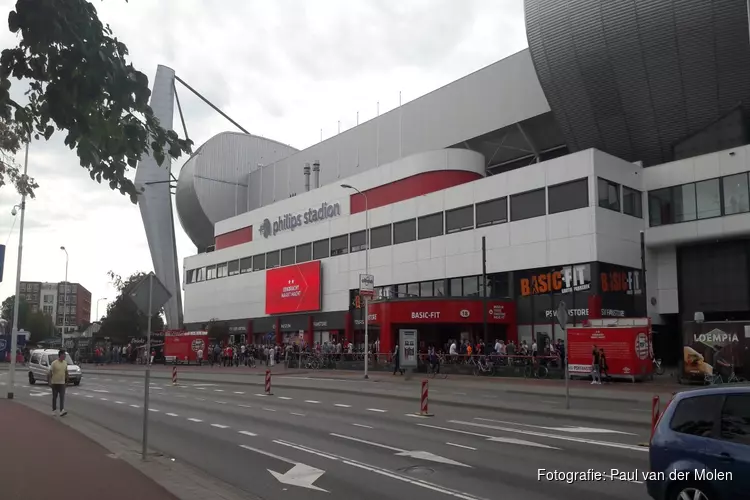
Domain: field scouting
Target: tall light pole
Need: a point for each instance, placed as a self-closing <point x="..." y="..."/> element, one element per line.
<point x="98" y="318"/>
<point x="65" y="300"/>
<point x="367" y="271"/>
<point x="16" y="302"/>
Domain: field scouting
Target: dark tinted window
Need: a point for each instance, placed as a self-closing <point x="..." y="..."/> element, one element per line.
<point x="320" y="249"/>
<point x="631" y="202"/>
<point x="736" y="199"/>
<point x="430" y="226"/>
<point x="528" y="205"/>
<point x="568" y="196"/>
<point x="304" y="252"/>
<point x="696" y="415"/>
<point x="246" y="265"/>
<point x="404" y="231"/>
<point x="459" y="219"/>
<point x="735" y="419"/>
<point x="492" y="212"/>
<point x="234" y="267"/>
<point x="425" y="289"/>
<point x="708" y="198"/>
<point x="471" y="286"/>
<point x="380" y="236"/>
<point x="259" y="262"/>
<point x="272" y="259"/>
<point x="455" y="287"/>
<point x="190" y="276"/>
<point x="287" y="256"/>
<point x="412" y="290"/>
<point x="609" y="195"/>
<point x="439" y="288"/>
<point x="340" y="245"/>
<point x="357" y="241"/>
<point x="660" y="208"/>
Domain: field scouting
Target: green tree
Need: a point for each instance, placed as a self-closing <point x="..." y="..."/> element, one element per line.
<point x="23" y="312"/>
<point x="123" y="319"/>
<point x="41" y="326"/>
<point x="80" y="82"/>
<point x="217" y="329"/>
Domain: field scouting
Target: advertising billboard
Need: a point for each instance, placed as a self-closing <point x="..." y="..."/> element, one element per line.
<point x="184" y="346"/>
<point x="715" y="348"/>
<point x="627" y="350"/>
<point x="293" y="289"/>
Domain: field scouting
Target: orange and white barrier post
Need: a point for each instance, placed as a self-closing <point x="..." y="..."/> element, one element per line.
<point x="174" y="375"/>
<point x="268" y="382"/>
<point x="424" y="402"/>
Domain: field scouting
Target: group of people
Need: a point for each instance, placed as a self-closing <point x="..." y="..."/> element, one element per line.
<point x="599" y="366"/>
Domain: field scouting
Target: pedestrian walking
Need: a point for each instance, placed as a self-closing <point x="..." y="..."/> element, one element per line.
<point x="58" y="378"/>
<point x="200" y="357"/>
<point x="397" y="362"/>
<point x="596" y="377"/>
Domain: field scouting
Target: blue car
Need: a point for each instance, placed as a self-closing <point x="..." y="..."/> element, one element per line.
<point x="700" y="449"/>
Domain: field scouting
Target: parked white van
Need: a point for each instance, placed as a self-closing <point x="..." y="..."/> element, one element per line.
<point x="39" y="366"/>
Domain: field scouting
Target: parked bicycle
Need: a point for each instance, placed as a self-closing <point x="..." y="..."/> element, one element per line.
<point x="482" y="365"/>
<point x="535" y="370"/>
<point x="658" y="367"/>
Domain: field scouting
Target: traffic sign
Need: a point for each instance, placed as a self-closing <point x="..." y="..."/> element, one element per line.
<point x="366" y="285"/>
<point x="158" y="293"/>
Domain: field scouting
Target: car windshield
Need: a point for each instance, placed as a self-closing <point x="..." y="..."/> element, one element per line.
<point x="53" y="357"/>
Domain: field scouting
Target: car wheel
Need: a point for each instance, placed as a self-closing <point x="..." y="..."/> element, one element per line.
<point x="691" y="491"/>
<point x="32" y="381"/>
<point x="76" y="382"/>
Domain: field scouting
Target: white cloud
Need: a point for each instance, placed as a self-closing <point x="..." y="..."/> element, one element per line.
<point x="282" y="69"/>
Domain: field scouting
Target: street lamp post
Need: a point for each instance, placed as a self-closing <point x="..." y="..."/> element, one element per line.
<point x="16" y="302"/>
<point x="367" y="271"/>
<point x="65" y="300"/>
<point x="98" y="318"/>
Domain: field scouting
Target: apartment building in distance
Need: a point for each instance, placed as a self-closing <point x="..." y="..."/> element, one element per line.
<point x="50" y="298"/>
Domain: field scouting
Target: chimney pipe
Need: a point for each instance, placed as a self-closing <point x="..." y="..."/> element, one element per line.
<point x="307" y="177"/>
<point x="316" y="174"/>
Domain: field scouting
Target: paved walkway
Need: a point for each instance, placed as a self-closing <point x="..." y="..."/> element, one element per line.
<point x="42" y="459"/>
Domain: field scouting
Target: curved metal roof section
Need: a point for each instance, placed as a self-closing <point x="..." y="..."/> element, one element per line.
<point x="213" y="183"/>
<point x="633" y="78"/>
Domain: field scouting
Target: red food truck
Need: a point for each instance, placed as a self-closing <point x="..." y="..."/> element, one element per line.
<point x="626" y="343"/>
<point x="182" y="347"/>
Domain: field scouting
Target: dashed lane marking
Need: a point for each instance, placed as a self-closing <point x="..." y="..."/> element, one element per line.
<point x="261" y="395"/>
<point x="104" y="399"/>
<point x="377" y="410"/>
<point x="286" y="398"/>
<point x="119" y="402"/>
<point x="342" y="406"/>
<point x="172" y="414"/>
<point x="89" y="396"/>
<point x="220" y="426"/>
<point x="362" y="425"/>
<point x="268" y="409"/>
<point x="298" y="414"/>
<point x="218" y="390"/>
<point x="247" y="433"/>
<point x="195" y="420"/>
<point x="220" y="402"/>
<point x="312" y="401"/>
<point x="134" y="406"/>
<point x="153" y="410"/>
<point x="239" y="392"/>
<point x="461" y="446"/>
<point x="244" y="406"/>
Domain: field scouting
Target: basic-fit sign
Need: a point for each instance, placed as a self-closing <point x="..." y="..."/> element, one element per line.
<point x="561" y="280"/>
<point x="290" y="222"/>
<point x="294" y="288"/>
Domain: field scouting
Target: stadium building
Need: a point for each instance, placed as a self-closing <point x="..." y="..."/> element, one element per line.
<point x="622" y="122"/>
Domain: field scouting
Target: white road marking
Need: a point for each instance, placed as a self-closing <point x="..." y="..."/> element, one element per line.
<point x="104" y="399"/>
<point x="195" y="420"/>
<point x="218" y="390"/>
<point x="245" y="406"/>
<point x="342" y="406"/>
<point x="571" y="429"/>
<point x="495" y="439"/>
<point x="220" y="402"/>
<point x="172" y="414"/>
<point x="424" y="455"/>
<point x="268" y="409"/>
<point x="153" y="410"/>
<point x="312" y="401"/>
<point x="75" y="393"/>
<point x="89" y="396"/>
<point x="239" y="392"/>
<point x="99" y="390"/>
<point x="134" y="406"/>
<point x="415" y="415"/>
<point x="158" y="388"/>
<point x="120" y="402"/>
<point x="461" y="446"/>
<point x="200" y="399"/>
<point x="219" y="426"/>
<point x="362" y="425"/>
<point x="555" y="436"/>
<point x="377" y="410"/>
<point x="261" y="395"/>
<point x="247" y="433"/>
<point x="201" y="388"/>
<point x="204" y="385"/>
<point x="298" y="414"/>
<point x="300" y="475"/>
<point x="284" y="397"/>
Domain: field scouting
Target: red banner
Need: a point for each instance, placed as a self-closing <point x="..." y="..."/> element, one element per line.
<point x="442" y="311"/>
<point x="293" y="289"/>
<point x="627" y="349"/>
<point x="185" y="345"/>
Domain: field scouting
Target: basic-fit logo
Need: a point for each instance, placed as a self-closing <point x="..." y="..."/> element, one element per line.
<point x="265" y="228"/>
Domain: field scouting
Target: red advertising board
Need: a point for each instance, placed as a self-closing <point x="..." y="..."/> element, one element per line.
<point x="184" y="345"/>
<point x="293" y="289"/>
<point x="442" y="311"/>
<point x="627" y="349"/>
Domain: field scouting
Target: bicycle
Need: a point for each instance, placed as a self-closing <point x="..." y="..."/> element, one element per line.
<point x="484" y="366"/>
<point x="713" y="379"/>
<point x="658" y="368"/>
<point x="432" y="373"/>
<point x="535" y="371"/>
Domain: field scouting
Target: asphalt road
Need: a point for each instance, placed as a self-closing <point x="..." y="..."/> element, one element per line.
<point x="320" y="444"/>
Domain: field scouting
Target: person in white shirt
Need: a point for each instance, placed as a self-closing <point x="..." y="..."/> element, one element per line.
<point x="533" y="348"/>
<point x="452" y="350"/>
<point x="498" y="346"/>
<point x="200" y="357"/>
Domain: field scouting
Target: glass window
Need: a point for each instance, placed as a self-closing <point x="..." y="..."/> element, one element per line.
<point x="492" y="212"/>
<point x="221" y="270"/>
<point x="609" y="194"/>
<point x="456" y="289"/>
<point x="439" y="288"/>
<point x="272" y="259"/>
<point x="340" y="245"/>
<point x="660" y="208"/>
<point x="259" y="262"/>
<point x="430" y="226"/>
<point x="404" y="231"/>
<point x="708" y="198"/>
<point x="357" y="241"/>
<point x="736" y="200"/>
<point x="631" y="202"/>
<point x="246" y="265"/>
<point x="425" y="289"/>
<point x="188" y="279"/>
<point x="304" y="252"/>
<point x="471" y="286"/>
<point x="735" y="419"/>
<point x="287" y="256"/>
<point x="696" y="415"/>
<point x="528" y="205"/>
<point x="380" y="236"/>
<point x="459" y="219"/>
<point x="321" y="249"/>
<point x="683" y="200"/>
<point x="210" y="272"/>
<point x="401" y="291"/>
<point x="233" y="267"/>
<point x="568" y="196"/>
<point x="412" y="290"/>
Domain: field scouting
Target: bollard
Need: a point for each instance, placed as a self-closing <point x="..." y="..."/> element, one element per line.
<point x="654" y="414"/>
<point x="424" y="403"/>
<point x="268" y="383"/>
<point x="174" y="375"/>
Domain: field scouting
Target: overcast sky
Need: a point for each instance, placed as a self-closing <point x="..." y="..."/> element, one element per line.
<point x="283" y="69"/>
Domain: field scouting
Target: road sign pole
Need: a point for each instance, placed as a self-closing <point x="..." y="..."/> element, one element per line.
<point x="147" y="382"/>
<point x="562" y="320"/>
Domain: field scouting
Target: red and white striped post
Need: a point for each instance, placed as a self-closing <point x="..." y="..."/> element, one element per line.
<point x="268" y="383"/>
<point x="174" y="375"/>
<point x="424" y="403"/>
<point x="655" y="413"/>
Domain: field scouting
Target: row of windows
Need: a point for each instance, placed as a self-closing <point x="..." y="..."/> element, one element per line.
<point x="619" y="198"/>
<point x="699" y="200"/>
<point x="539" y="202"/>
<point x="29" y="287"/>
<point x="467" y="286"/>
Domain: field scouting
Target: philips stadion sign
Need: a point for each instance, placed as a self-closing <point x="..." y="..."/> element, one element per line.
<point x="290" y="222"/>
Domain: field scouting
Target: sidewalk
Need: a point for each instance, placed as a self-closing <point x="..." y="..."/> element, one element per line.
<point x="41" y="459"/>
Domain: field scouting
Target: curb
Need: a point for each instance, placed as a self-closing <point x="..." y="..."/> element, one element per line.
<point x="436" y="399"/>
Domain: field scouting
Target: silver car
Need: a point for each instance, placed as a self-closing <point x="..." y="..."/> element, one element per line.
<point x="39" y="366"/>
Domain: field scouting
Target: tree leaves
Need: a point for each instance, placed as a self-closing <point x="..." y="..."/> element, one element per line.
<point x="123" y="319"/>
<point x="81" y="82"/>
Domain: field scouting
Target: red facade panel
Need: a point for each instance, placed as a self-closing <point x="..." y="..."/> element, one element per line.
<point x="411" y="187"/>
<point x="238" y="237"/>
